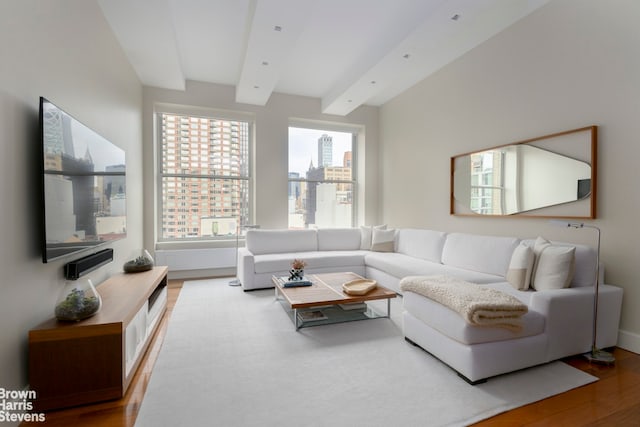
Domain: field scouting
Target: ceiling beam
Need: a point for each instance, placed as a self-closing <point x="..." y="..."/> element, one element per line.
<point x="454" y="28"/>
<point x="275" y="27"/>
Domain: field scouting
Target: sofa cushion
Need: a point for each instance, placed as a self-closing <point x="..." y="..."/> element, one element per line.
<point x="585" y="263"/>
<point x="521" y="267"/>
<point x="470" y="275"/>
<point x="486" y="254"/>
<point x="272" y="263"/>
<point x="366" y="233"/>
<point x="338" y="239"/>
<point x="383" y="240"/>
<point x="554" y="265"/>
<point x="451" y="324"/>
<point x="423" y="244"/>
<point x="281" y="241"/>
<point x="401" y="265"/>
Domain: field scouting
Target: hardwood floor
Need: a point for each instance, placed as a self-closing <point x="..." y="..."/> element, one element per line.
<point x="614" y="400"/>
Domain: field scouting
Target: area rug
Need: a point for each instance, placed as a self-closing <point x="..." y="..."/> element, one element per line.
<point x="233" y="358"/>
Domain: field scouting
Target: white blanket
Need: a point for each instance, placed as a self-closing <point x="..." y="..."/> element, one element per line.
<point x="478" y="305"/>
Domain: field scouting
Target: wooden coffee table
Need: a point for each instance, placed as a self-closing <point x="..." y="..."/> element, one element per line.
<point x="324" y="301"/>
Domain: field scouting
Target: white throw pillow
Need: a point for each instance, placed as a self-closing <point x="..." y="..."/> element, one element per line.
<point x="366" y="234"/>
<point x="521" y="267"/>
<point x="383" y="240"/>
<point x="554" y="265"/>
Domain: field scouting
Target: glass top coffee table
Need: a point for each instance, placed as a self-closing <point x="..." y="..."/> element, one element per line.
<point x="324" y="301"/>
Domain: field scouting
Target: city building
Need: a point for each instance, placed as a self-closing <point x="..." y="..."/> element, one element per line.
<point x="325" y="151"/>
<point x="199" y="153"/>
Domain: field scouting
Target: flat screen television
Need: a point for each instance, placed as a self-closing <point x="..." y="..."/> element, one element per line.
<point x="84" y="185"/>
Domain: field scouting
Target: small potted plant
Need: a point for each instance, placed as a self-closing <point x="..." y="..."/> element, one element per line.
<point x="297" y="269"/>
<point x="143" y="262"/>
<point x="78" y="300"/>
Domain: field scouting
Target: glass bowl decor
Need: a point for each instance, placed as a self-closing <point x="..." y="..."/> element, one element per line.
<point x="142" y="262"/>
<point x="78" y="300"/>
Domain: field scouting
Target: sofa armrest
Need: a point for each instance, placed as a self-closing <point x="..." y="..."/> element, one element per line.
<point x="569" y="318"/>
<point x="245" y="268"/>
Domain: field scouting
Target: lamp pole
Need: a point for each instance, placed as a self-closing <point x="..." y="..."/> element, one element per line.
<point x="236" y="281"/>
<point x="595" y="355"/>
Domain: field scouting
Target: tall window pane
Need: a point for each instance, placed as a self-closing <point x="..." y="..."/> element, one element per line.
<point x="487" y="189"/>
<point x="321" y="178"/>
<point x="204" y="176"/>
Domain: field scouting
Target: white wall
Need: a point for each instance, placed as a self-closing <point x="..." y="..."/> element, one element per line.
<point x="270" y="148"/>
<point x="571" y="64"/>
<point x="65" y="51"/>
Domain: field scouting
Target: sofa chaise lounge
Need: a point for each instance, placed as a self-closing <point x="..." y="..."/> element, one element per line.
<point x="558" y="322"/>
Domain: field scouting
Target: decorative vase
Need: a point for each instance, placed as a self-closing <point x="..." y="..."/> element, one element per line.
<point x="142" y="262"/>
<point x="78" y="300"/>
<point x="296" y="274"/>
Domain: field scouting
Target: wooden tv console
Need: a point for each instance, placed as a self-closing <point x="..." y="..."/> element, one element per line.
<point x="95" y="359"/>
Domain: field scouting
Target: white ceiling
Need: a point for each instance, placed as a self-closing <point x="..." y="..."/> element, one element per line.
<point x="345" y="52"/>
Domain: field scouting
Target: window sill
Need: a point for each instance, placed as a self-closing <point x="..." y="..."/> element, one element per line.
<point x="199" y="244"/>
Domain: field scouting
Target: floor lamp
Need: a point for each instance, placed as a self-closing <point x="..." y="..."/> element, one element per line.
<point x="236" y="281"/>
<point x="595" y="355"/>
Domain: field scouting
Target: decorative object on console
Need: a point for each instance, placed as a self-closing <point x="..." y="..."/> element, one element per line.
<point x="143" y="262"/>
<point x="359" y="286"/>
<point x="236" y="281"/>
<point x="297" y="269"/>
<point x="595" y="355"/>
<point x="78" y="300"/>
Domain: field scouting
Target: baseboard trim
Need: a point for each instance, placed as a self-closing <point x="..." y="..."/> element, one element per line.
<point x="629" y="341"/>
<point x="201" y="274"/>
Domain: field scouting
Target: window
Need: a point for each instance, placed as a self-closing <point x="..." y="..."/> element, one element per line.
<point x="217" y="169"/>
<point x="321" y="178"/>
<point x="487" y="189"/>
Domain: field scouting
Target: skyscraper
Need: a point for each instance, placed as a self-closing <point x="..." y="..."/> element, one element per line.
<point x="195" y="149"/>
<point x="325" y="151"/>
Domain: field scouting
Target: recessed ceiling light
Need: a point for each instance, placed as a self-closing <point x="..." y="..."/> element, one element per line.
<point x="277" y="28"/>
<point x="455" y="17"/>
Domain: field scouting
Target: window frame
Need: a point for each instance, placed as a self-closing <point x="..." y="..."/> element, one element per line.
<point x="207" y="113"/>
<point x="321" y="126"/>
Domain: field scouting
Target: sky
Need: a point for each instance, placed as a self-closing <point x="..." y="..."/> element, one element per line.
<point x="103" y="152"/>
<point x="303" y="147"/>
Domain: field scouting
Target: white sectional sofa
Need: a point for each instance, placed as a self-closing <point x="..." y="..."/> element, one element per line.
<point x="558" y="322"/>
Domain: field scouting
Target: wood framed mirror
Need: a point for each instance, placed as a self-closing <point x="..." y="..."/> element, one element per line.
<point x="548" y="176"/>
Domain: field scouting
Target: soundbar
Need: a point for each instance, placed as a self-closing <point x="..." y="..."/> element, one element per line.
<point x="78" y="268"/>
